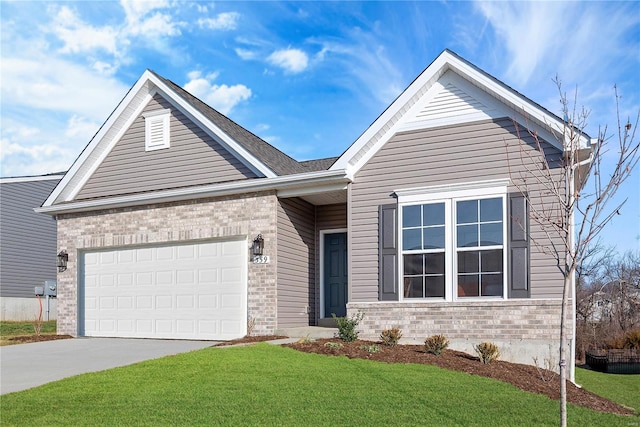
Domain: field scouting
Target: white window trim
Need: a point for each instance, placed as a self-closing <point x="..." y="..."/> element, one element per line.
<point x="150" y="118"/>
<point x="449" y="194"/>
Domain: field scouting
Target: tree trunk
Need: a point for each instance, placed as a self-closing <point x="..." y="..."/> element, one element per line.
<point x="563" y="347"/>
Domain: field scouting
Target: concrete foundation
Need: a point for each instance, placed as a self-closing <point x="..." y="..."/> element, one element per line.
<point x="26" y="309"/>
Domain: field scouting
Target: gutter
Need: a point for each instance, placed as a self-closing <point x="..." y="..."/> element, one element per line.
<point x="288" y="182"/>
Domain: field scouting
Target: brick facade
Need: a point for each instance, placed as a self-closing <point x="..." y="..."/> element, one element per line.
<point x="522" y="328"/>
<point x="215" y="218"/>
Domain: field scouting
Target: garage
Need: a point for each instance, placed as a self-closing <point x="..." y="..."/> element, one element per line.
<point x="179" y="291"/>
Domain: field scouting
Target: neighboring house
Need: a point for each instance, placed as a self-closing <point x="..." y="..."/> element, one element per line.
<point x="27" y="246"/>
<point x="418" y="224"/>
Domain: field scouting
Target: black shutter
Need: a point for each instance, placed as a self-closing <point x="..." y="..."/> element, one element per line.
<point x="388" y="253"/>
<point x="518" y="246"/>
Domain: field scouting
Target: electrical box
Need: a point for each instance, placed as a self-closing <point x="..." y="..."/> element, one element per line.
<point x="39" y="290"/>
<point x="51" y="288"/>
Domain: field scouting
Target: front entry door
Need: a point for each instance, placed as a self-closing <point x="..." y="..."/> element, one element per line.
<point x="335" y="274"/>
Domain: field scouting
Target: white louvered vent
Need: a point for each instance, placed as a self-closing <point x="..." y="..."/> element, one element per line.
<point x="451" y="101"/>
<point x="156" y="135"/>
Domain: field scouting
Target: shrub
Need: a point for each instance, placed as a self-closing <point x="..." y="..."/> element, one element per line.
<point x="306" y="340"/>
<point x="391" y="336"/>
<point x="370" y="348"/>
<point x="488" y="352"/>
<point x="436" y="344"/>
<point x="335" y="345"/>
<point x="347" y="326"/>
<point x="629" y="340"/>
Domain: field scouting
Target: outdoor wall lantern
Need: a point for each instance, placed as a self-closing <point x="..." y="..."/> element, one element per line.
<point x="257" y="248"/>
<point x="61" y="262"/>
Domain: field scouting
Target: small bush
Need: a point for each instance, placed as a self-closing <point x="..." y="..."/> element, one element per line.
<point x="390" y="337"/>
<point x="436" y="344"/>
<point x="306" y="340"/>
<point x="632" y="339"/>
<point x="488" y="352"/>
<point x="331" y="344"/>
<point x="347" y="326"/>
<point x="370" y="348"/>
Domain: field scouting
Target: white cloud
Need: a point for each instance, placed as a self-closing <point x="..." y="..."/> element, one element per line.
<point x="365" y="66"/>
<point x="53" y="84"/>
<point x="137" y="9"/>
<point x="80" y="127"/>
<point x="221" y="97"/>
<point x="246" y="54"/>
<point x="78" y="36"/>
<point x="291" y="60"/>
<point x="559" y="37"/>
<point x="223" y="21"/>
<point x="157" y="25"/>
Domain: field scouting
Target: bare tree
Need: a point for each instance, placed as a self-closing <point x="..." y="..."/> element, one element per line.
<point x="579" y="187"/>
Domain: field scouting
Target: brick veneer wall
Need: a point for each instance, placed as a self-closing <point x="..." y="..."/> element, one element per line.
<point x="522" y="328"/>
<point x="204" y="219"/>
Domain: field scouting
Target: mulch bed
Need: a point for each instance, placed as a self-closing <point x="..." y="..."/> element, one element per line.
<point x="525" y="377"/>
<point x="23" y="339"/>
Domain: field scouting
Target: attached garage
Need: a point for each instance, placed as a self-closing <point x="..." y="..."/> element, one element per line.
<point x="179" y="291"/>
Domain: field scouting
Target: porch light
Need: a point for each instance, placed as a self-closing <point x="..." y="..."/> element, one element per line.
<point x="61" y="262"/>
<point x="257" y="248"/>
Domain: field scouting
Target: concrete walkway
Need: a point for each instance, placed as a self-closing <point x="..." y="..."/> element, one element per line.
<point x="24" y="366"/>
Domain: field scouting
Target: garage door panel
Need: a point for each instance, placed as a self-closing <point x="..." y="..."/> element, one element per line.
<point x="195" y="291"/>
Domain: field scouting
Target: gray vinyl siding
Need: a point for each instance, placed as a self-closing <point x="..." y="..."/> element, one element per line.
<point x="328" y="217"/>
<point x="28" y="239"/>
<point x="331" y="217"/>
<point x="296" y="263"/>
<point x="444" y="155"/>
<point x="193" y="158"/>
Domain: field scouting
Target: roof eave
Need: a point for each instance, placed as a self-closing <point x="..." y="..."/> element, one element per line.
<point x="288" y="182"/>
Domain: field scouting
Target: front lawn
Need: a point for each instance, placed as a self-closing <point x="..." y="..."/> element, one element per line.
<point x="270" y="385"/>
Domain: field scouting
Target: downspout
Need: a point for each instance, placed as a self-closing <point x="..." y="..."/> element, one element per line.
<point x="572" y="366"/>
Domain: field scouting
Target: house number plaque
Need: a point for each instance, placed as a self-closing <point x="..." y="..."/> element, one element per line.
<point x="260" y="259"/>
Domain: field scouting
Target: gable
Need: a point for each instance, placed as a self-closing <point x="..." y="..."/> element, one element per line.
<point x="192" y="158"/>
<point x="450" y="91"/>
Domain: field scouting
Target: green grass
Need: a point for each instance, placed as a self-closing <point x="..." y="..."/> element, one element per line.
<point x="623" y="389"/>
<point x="270" y="385"/>
<point x="14" y="329"/>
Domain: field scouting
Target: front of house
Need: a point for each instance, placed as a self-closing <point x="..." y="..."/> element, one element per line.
<point x="418" y="224"/>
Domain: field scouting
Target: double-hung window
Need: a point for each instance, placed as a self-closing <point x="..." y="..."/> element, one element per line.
<point x="453" y="244"/>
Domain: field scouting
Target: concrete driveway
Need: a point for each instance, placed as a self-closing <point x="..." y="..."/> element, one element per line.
<point x="24" y="366"/>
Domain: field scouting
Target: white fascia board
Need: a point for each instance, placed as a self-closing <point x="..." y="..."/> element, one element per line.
<point x="437" y="68"/>
<point x="390" y="112"/>
<point x="311" y="190"/>
<point x="11" y="180"/>
<point x="215" y="132"/>
<point x="305" y="180"/>
<point x="89" y="160"/>
<point x="76" y="168"/>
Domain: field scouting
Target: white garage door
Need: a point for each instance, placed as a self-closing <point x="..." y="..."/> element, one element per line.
<point x="191" y="291"/>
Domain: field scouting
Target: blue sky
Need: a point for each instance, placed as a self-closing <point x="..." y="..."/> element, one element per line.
<point x="307" y="77"/>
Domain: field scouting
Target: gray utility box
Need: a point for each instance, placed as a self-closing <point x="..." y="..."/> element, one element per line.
<point x="39" y="291"/>
<point x="51" y="288"/>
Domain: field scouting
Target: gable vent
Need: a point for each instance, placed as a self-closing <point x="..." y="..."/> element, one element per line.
<point x="451" y="101"/>
<point x="156" y="130"/>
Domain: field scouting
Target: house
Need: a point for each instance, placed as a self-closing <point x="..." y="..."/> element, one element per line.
<point x="417" y="224"/>
<point x="27" y="246"/>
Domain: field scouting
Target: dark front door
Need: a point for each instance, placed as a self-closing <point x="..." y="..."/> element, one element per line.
<point x="335" y="274"/>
